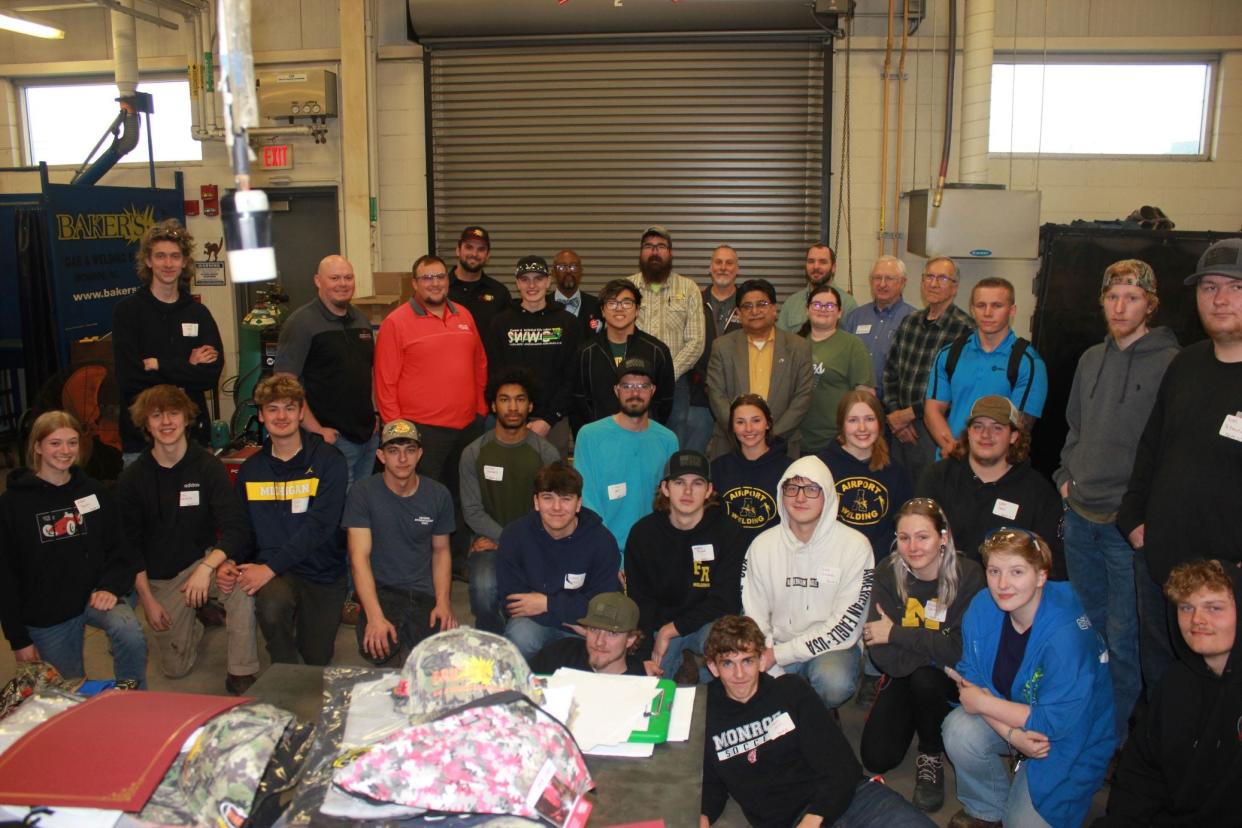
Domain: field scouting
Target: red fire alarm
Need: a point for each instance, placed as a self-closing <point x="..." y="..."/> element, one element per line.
<point x="211" y="199"/>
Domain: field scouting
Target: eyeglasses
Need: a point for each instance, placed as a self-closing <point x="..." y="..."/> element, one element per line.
<point x="432" y="277"/>
<point x="635" y="386"/>
<point x="750" y="306"/>
<point x="824" y="306"/>
<point x="655" y="248"/>
<point x="938" y="278"/>
<point x="566" y="268"/>
<point x="811" y="490"/>
<point x="617" y="304"/>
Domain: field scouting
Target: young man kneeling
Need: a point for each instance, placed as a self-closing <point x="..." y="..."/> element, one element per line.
<point x="772" y="745"/>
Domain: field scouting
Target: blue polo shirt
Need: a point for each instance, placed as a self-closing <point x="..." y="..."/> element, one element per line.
<point x="875" y="327"/>
<point x="979" y="373"/>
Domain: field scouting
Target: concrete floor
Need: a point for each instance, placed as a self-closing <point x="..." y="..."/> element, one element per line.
<point x="208" y="677"/>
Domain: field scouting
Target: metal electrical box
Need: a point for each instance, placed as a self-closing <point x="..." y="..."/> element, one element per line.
<point x="975" y="221"/>
<point x="299" y="93"/>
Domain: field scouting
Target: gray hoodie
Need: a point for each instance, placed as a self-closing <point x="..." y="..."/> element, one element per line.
<point x="1110" y="401"/>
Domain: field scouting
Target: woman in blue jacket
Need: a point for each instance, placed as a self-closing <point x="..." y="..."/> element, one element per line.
<point x="1033" y="684"/>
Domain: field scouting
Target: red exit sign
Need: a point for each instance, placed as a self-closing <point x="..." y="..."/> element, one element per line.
<point x="278" y="157"/>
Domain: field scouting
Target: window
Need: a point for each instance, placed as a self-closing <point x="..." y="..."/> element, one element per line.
<point x="1101" y="108"/>
<point x="63" y="122"/>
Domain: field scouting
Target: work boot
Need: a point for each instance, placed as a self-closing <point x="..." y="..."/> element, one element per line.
<point x="964" y="820"/>
<point x="929" y="782"/>
<point x="237" y="685"/>
<point x="687" y="674"/>
<point x="867" y="689"/>
<point x="211" y="614"/>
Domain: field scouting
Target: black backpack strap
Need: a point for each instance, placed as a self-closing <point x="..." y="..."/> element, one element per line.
<point x="955" y="353"/>
<point x="1015" y="362"/>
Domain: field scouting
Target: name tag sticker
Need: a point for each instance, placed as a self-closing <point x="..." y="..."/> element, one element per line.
<point x="1005" y="509"/>
<point x="87" y="504"/>
<point x="495" y="473"/>
<point x="616" y="491"/>
<point x="703" y="552"/>
<point x="574" y="580"/>
<point x="189" y="498"/>
<point x="862" y="329"/>
<point x="781" y="725"/>
<point x="936" y="611"/>
<point x="1232" y="427"/>
<point x="299" y="505"/>
<point x="830" y="575"/>
<point x="189" y="329"/>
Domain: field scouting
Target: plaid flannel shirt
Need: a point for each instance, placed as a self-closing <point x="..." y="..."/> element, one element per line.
<point x="915" y="346"/>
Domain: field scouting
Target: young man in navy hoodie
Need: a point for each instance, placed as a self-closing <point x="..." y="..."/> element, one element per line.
<point x="161" y="335"/>
<point x="182" y="514"/>
<point x="294" y="493"/>
<point x="552" y="561"/>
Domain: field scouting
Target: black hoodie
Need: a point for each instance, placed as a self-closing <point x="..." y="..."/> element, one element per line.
<point x="544" y="341"/>
<point x="144" y="327"/>
<point x="58" y="544"/>
<point x="776" y="754"/>
<point x="1182" y="767"/>
<point x="687" y="576"/>
<point x="747" y="488"/>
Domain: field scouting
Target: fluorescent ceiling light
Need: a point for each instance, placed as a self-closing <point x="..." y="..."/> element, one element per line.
<point x="23" y="25"/>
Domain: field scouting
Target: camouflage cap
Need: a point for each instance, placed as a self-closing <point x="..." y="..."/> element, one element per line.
<point x="399" y="430"/>
<point x="458" y="666"/>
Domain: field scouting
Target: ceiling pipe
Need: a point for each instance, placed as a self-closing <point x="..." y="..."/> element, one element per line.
<point x="951" y="55"/>
<point x="980" y="24"/>
<point x="125" y="57"/>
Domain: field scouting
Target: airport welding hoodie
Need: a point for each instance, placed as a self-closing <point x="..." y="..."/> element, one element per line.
<point x="809" y="598"/>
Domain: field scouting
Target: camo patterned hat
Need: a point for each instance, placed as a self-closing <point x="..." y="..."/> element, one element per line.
<point x="458" y="666"/>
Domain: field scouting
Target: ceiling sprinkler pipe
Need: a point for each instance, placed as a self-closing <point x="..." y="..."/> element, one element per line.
<point x="951" y="52"/>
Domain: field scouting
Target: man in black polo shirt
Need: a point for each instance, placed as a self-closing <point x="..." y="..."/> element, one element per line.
<point x="328" y="346"/>
<point x="469" y="285"/>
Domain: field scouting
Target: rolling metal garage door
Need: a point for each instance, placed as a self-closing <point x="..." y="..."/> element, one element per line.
<point x="582" y="146"/>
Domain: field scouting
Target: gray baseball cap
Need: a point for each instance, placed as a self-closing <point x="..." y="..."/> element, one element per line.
<point x="1221" y="259"/>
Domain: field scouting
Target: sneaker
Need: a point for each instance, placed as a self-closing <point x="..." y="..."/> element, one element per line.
<point x="350" y="611"/>
<point x="237" y="685"/>
<point x="867" y="689"/>
<point x="687" y="674"/>
<point x="928" y="782"/>
<point x="964" y="820"/>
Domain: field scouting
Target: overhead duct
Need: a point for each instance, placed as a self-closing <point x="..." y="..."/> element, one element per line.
<point x="977" y="89"/>
<point x="125" y="58"/>
<point x="433" y="21"/>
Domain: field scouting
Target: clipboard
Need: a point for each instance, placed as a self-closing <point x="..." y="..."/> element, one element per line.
<point x="658" y="718"/>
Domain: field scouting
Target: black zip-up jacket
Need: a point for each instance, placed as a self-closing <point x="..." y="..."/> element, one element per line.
<point x="664" y="578"/>
<point x="544" y="341"/>
<point x="774" y="778"/>
<point x="142" y="327"/>
<point x="173" y="516"/>
<point x="595" y="374"/>
<point x="974" y="507"/>
<point x="295" y="509"/>
<point x="58" y="544"/>
<point x="1182" y="764"/>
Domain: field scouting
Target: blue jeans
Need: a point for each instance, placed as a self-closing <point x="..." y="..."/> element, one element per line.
<point x="484" y="599"/>
<point x="834" y="675"/>
<point x="699" y="428"/>
<point x="1101" y="568"/>
<point x="1155" y="645"/>
<point x="61" y="644"/>
<point x="983" y="785"/>
<point x="530" y="636"/>
<point x="694" y="643"/>
<point x="678" y="420"/>
<point x="875" y="805"/>
<point x="359" y="457"/>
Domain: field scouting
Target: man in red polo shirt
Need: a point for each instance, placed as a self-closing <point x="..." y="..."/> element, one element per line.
<point x="430" y="369"/>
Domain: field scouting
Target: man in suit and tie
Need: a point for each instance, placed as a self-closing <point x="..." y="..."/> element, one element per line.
<point x="760" y="359"/>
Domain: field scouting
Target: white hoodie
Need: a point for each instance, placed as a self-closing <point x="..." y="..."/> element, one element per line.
<point x="809" y="598"/>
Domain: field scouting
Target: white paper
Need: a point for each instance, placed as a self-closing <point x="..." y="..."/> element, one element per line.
<point x="608" y="708"/>
<point x="630" y="750"/>
<point x="683" y="714"/>
<point x="557" y="702"/>
<point x="64" y="817"/>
